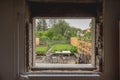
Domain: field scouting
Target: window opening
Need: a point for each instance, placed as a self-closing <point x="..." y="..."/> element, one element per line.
<point x="64" y="42"/>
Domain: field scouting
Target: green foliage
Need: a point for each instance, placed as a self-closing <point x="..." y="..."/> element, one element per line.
<point x="64" y="47"/>
<point x="58" y="33"/>
<point x="61" y="47"/>
<point x="52" y="22"/>
<point x="73" y="50"/>
<point x="38" y="34"/>
<point x="49" y="33"/>
<point x="41" y="25"/>
<point x="41" y="50"/>
<point x="60" y="27"/>
<point x="44" y="37"/>
<point x="87" y="35"/>
<point x="73" y="31"/>
<point x="60" y="30"/>
<point x="58" y="37"/>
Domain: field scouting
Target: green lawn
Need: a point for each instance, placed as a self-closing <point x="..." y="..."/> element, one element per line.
<point x="56" y="47"/>
<point x="64" y="47"/>
<point x="41" y="50"/>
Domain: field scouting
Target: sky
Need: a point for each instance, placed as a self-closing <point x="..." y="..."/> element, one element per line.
<point x="78" y="23"/>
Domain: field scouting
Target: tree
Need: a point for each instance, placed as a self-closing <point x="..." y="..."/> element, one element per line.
<point x="60" y="27"/>
<point x="52" y="22"/>
<point x="49" y="33"/>
<point x="87" y="35"/>
<point x="44" y="24"/>
<point x="41" y="25"/>
<point x="39" y="34"/>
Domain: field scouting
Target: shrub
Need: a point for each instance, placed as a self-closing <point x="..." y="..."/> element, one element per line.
<point x="39" y="34"/>
<point x="44" y="38"/>
<point x="73" y="50"/>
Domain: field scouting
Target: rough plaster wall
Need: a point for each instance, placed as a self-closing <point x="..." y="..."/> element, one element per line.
<point x="64" y="78"/>
<point x="6" y="40"/>
<point x="119" y="48"/>
<point x="111" y="31"/>
<point x="9" y="38"/>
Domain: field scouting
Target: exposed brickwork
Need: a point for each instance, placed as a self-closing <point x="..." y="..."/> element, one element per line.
<point x="82" y="46"/>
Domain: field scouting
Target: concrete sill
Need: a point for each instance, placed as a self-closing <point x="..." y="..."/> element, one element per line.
<point x="63" y="67"/>
<point x="60" y="74"/>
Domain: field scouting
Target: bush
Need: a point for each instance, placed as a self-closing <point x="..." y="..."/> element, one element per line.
<point x="39" y="34"/>
<point x="73" y="50"/>
<point x="58" y="37"/>
<point x="44" y="38"/>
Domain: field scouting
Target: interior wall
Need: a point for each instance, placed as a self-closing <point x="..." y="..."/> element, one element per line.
<point x="111" y="39"/>
<point x="7" y="44"/>
<point x="119" y="49"/>
<point x="12" y="21"/>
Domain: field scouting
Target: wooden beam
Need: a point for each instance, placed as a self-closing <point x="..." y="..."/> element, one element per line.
<point x="63" y="9"/>
<point x="73" y="1"/>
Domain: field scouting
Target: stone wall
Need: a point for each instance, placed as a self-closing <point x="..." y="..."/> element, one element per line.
<point x="74" y="41"/>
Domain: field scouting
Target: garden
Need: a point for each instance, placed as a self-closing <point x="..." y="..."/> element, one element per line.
<point x="54" y="36"/>
<point x="56" y="47"/>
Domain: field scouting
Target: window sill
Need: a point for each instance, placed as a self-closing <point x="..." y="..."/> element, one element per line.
<point x="63" y="67"/>
<point x="60" y="74"/>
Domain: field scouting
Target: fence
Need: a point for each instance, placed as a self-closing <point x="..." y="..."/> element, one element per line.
<point x="52" y="42"/>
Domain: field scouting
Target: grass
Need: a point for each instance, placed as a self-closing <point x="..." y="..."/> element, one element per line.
<point x="64" y="47"/>
<point x="61" y="47"/>
<point x="56" y="47"/>
<point x="41" y="50"/>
